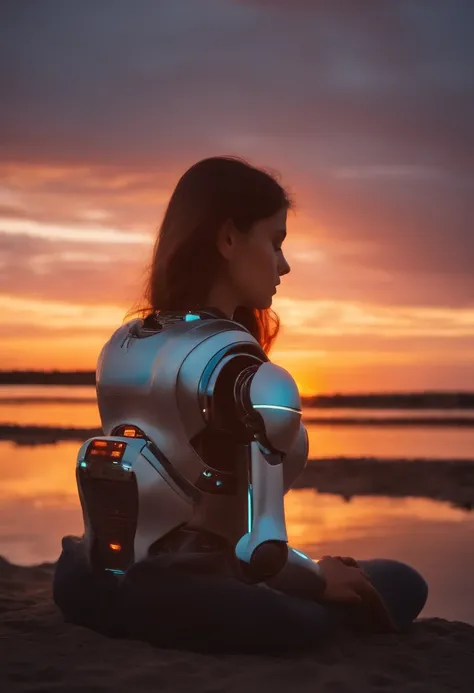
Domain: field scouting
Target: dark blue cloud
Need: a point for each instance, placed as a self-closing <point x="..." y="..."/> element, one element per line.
<point x="138" y="80"/>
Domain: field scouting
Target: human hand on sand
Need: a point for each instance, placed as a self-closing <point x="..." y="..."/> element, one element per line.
<point x="348" y="583"/>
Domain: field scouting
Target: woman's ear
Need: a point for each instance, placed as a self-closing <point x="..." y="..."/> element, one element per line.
<point x="226" y="239"/>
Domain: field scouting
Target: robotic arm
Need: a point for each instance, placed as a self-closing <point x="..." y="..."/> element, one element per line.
<point x="268" y="403"/>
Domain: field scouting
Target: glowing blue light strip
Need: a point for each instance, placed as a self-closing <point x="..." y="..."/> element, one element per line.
<point x="276" y="406"/>
<point x="250" y="508"/>
<point x="303" y="555"/>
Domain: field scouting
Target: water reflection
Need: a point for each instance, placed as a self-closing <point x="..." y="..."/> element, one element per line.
<point x="427" y="442"/>
<point x="39" y="504"/>
<point x="36" y="392"/>
<point x="78" y="409"/>
<point x="73" y="415"/>
<point x="383" y="413"/>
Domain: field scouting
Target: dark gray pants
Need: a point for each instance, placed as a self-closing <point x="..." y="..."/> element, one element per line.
<point x="174" y="608"/>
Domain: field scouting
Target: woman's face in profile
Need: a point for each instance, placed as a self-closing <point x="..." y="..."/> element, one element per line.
<point x="257" y="261"/>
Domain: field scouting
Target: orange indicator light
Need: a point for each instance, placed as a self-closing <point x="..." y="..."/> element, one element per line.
<point x="115" y="547"/>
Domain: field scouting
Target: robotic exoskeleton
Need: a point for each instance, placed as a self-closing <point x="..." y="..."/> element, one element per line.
<point x="202" y="438"/>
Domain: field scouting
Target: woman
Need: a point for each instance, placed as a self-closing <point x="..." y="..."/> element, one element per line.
<point x="220" y="248"/>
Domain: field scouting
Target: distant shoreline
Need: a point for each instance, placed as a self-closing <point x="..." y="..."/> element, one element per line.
<point x="448" y="480"/>
<point x="41" y="435"/>
<point x="431" y="399"/>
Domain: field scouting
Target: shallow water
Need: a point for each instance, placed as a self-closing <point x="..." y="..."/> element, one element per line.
<point x="39" y="505"/>
<point x="76" y="407"/>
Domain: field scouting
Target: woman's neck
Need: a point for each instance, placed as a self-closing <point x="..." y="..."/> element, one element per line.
<point x="221" y="297"/>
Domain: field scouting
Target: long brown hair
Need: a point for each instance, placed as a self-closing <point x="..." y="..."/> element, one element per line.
<point x="185" y="255"/>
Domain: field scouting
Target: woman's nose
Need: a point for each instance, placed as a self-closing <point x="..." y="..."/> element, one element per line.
<point x="284" y="267"/>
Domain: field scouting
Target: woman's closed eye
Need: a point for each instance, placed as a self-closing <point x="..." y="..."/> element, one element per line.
<point x="278" y="239"/>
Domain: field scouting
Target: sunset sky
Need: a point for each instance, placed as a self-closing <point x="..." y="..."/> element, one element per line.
<point x="364" y="109"/>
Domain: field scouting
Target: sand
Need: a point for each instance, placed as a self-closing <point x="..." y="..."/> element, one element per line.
<point x="39" y="652"/>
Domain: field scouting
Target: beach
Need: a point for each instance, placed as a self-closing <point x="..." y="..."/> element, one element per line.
<point x="39" y="652"/>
